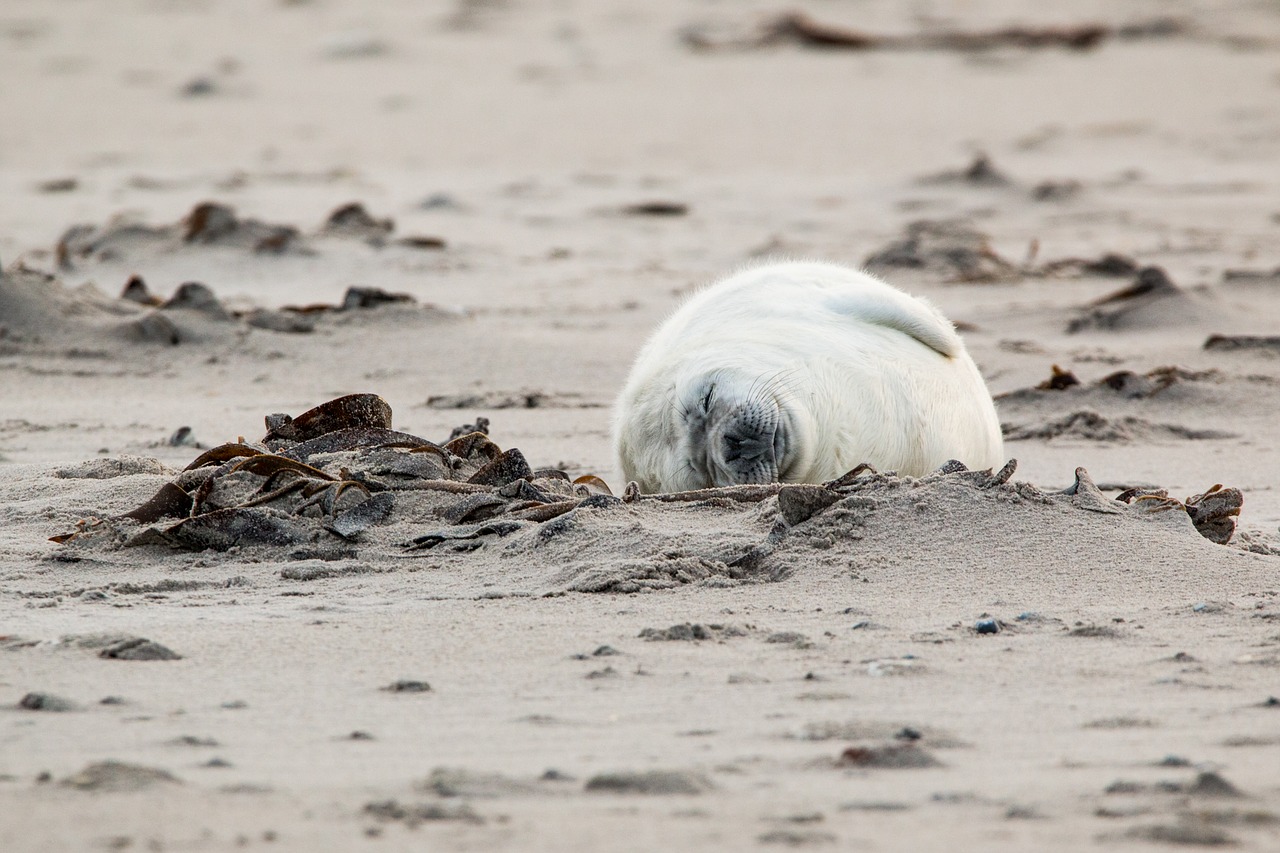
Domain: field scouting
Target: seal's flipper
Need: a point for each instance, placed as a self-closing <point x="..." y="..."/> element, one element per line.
<point x="895" y="310"/>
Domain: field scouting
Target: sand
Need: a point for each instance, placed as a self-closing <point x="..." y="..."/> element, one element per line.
<point x="948" y="663"/>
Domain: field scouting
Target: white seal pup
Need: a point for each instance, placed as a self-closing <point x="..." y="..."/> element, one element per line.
<point x="798" y="372"/>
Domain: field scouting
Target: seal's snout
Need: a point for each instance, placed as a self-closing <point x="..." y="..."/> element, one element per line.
<point x="746" y="450"/>
<point x="749" y="444"/>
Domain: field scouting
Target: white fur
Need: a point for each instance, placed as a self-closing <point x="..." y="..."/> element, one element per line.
<point x="862" y="372"/>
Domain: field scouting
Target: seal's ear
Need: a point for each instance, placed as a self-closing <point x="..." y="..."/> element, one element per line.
<point x="892" y="309"/>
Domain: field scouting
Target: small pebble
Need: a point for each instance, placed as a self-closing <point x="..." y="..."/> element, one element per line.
<point x="198" y="87"/>
<point x="439" y="201"/>
<point x="45" y="702"/>
<point x="987" y="626"/>
<point x="183" y="437"/>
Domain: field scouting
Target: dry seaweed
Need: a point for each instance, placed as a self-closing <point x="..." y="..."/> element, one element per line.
<point x="1152" y="299"/>
<point x="798" y="28"/>
<point x="136" y="290"/>
<point x="332" y="472"/>
<point x="656" y="208"/>
<point x="353" y="410"/>
<point x="1234" y="343"/>
<point x="352" y="220"/>
<point x="948" y="247"/>
<point x="1214" y="512"/>
<point x="1059" y="380"/>
<point x="1110" y="265"/>
<point x="1127" y="384"/>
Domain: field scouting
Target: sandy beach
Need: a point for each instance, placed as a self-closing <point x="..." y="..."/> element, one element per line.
<point x="371" y="628"/>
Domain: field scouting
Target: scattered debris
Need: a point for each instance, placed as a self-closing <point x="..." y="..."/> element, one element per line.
<point x="1105" y="632"/>
<point x="1140" y="386"/>
<point x="213" y="223"/>
<point x="1092" y="426"/>
<point x="1056" y="190"/>
<point x="138" y="648"/>
<point x="523" y="399"/>
<point x="415" y="814"/>
<point x="902" y="754"/>
<point x="119" y="776"/>
<point x="799" y="28"/>
<point x="947" y="247"/>
<point x="458" y="782"/>
<point x="1110" y="265"/>
<point x="981" y="172"/>
<point x="371" y="297"/>
<point x="1059" y="380"/>
<point x="1211" y="784"/>
<point x="796" y="837"/>
<point x="1152" y="299"/>
<point x="650" y="782"/>
<point x="135" y="290"/>
<point x="440" y="201"/>
<point x="1214" y="512"/>
<point x="408" y="686"/>
<point x="691" y="631"/>
<point x="1252" y="276"/>
<point x="289" y="322"/>
<point x="1125" y="383"/>
<point x="1208" y="784"/>
<point x="1235" y="343"/>
<point x="198" y="87"/>
<point x="799" y="503"/>
<point x="58" y="185"/>
<point x="352" y="220"/>
<point x="1186" y="834"/>
<point x="656" y="208"/>
<point x="46" y="702"/>
<point x="418" y="241"/>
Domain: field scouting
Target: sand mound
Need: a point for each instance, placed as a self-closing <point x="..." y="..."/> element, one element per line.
<point x="36" y="307"/>
<point x="951" y="248"/>
<point x="38" y="310"/>
<point x="216" y="225"/>
<point x="1092" y="426"/>
<point x="337" y="491"/>
<point x="1152" y="301"/>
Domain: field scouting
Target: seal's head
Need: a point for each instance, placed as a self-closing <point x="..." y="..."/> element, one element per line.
<point x="713" y="428"/>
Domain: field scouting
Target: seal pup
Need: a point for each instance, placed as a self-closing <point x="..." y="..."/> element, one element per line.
<point x="796" y="373"/>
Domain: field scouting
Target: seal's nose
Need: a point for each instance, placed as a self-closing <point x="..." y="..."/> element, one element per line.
<point x="745" y="449"/>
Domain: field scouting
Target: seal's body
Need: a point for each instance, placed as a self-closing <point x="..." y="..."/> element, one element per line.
<point x="798" y="372"/>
